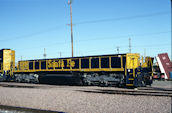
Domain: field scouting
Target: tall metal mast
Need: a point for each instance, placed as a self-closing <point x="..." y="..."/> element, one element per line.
<point x="44" y="54"/>
<point x="145" y="52"/>
<point x="129" y="45"/>
<point x="70" y="3"/>
<point x="117" y="49"/>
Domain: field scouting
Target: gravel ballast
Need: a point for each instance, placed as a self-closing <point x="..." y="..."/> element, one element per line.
<point x="72" y="99"/>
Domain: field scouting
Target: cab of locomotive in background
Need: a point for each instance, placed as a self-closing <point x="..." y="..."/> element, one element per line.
<point x="7" y="61"/>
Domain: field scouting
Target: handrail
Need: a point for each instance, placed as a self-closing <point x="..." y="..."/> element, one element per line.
<point x="68" y="64"/>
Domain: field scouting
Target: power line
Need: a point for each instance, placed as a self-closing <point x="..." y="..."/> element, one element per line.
<point x="153" y="45"/>
<point x="102" y="38"/>
<point x="111" y="49"/>
<point x="33" y="34"/>
<point x="124" y="18"/>
<point x="46" y="45"/>
<point x="87" y="22"/>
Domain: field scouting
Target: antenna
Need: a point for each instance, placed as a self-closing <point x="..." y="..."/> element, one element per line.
<point x="70" y="3"/>
<point x="117" y="49"/>
<point x="44" y="54"/>
<point x="129" y="45"/>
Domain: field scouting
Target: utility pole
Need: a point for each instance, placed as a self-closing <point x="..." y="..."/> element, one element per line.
<point x="60" y="53"/>
<point x="144" y="52"/>
<point x="21" y="58"/>
<point x="117" y="49"/>
<point x="70" y="3"/>
<point x="129" y="45"/>
<point x="44" y="54"/>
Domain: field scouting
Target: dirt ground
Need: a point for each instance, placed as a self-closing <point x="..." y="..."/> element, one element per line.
<point x="75" y="99"/>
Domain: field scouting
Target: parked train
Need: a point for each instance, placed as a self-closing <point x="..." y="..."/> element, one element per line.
<point x="114" y="69"/>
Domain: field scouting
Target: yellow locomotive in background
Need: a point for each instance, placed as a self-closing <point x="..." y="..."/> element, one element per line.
<point x="7" y="61"/>
<point x="115" y="69"/>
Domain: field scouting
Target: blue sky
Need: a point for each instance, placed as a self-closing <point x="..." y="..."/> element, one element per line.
<point x="29" y="26"/>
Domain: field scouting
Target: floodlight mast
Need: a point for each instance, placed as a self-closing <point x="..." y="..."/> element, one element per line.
<point x="70" y="3"/>
<point x="129" y="45"/>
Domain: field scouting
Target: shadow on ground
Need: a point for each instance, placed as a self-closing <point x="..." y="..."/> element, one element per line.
<point x="10" y="109"/>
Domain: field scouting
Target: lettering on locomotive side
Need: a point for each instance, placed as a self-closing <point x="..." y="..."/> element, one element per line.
<point x="57" y="64"/>
<point x="70" y="63"/>
<point x="60" y="63"/>
<point x="24" y="65"/>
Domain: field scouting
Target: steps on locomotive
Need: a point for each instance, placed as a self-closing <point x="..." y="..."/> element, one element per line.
<point x="130" y="78"/>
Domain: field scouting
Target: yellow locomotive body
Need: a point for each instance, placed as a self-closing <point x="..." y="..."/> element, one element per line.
<point x="102" y="69"/>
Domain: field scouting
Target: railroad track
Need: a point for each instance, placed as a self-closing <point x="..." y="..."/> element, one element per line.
<point x="141" y="91"/>
<point x="155" y="88"/>
<point x="138" y="92"/>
